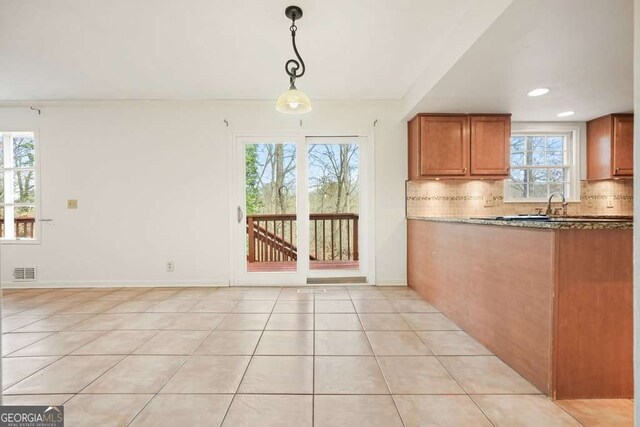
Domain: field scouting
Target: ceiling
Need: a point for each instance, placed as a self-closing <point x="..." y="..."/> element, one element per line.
<point x="434" y="55"/>
<point x="217" y="49"/>
<point x="580" y="49"/>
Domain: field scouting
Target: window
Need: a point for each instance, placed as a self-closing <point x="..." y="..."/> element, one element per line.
<point x="18" y="186"/>
<point x="542" y="163"/>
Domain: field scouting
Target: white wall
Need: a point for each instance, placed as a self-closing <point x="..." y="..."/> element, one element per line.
<point x="151" y="179"/>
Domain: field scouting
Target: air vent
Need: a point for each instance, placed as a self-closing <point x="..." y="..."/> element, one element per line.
<point x="24" y="274"/>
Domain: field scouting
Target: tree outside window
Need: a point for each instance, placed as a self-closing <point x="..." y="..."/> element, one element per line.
<point x="18" y="185"/>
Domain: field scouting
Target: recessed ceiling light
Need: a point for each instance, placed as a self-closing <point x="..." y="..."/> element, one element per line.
<point x="538" y="92"/>
<point x="566" y="113"/>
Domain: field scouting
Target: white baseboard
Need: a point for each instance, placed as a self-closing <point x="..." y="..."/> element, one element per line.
<point x="114" y="284"/>
<point x="160" y="284"/>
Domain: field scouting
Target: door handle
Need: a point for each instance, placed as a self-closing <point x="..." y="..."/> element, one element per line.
<point x="240" y="214"/>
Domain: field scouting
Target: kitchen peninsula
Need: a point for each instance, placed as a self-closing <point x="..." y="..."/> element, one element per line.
<point x="553" y="299"/>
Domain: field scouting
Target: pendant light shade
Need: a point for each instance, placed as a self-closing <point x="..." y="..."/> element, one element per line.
<point x="293" y="101"/>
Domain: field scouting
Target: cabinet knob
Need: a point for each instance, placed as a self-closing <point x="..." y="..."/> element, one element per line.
<point x="464" y="170"/>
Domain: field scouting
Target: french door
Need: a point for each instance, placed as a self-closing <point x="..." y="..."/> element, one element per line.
<point x="298" y="210"/>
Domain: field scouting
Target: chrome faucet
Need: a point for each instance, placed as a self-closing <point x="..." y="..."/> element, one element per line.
<point x="564" y="204"/>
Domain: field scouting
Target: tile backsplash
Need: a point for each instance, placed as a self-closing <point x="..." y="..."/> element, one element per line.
<point x="485" y="198"/>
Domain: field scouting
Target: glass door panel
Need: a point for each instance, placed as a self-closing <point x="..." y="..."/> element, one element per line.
<point x="271" y="207"/>
<point x="334" y="205"/>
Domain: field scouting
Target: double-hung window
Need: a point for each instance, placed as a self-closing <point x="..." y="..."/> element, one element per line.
<point x="18" y="186"/>
<point x="542" y="163"/>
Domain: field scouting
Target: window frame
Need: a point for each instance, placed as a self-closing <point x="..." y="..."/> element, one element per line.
<point x="37" y="199"/>
<point x="574" y="144"/>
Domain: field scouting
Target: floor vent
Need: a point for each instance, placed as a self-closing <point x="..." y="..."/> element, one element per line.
<point x="24" y="274"/>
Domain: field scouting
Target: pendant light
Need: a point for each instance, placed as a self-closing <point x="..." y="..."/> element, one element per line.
<point x="294" y="101"/>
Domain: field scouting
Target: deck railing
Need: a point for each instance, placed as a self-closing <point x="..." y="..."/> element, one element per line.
<point x="332" y="237"/>
<point x="25" y="227"/>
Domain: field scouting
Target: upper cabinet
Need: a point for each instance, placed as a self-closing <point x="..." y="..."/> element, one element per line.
<point x="463" y="146"/>
<point x="440" y="145"/>
<point x="610" y="147"/>
<point x="490" y="143"/>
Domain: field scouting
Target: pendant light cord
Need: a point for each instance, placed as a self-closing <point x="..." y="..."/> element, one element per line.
<point x="292" y="66"/>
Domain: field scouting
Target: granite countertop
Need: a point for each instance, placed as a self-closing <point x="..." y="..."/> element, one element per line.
<point x="583" y="223"/>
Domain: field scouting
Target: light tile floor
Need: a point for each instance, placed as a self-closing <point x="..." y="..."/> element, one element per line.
<point x="344" y="356"/>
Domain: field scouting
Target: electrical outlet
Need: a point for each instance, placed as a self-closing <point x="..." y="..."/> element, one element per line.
<point x="72" y="204"/>
<point x="609" y="201"/>
<point x="170" y="266"/>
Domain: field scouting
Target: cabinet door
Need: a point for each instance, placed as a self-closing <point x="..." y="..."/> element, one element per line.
<point x="599" y="148"/>
<point x="622" y="145"/>
<point x="414" y="148"/>
<point x="490" y="143"/>
<point x="444" y="145"/>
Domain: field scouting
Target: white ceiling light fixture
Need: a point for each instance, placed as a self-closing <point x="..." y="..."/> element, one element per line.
<point x="538" y="92"/>
<point x="566" y="113"/>
<point x="294" y="101"/>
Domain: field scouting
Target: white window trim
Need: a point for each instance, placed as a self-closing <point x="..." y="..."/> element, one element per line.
<point x="37" y="203"/>
<point x="576" y="143"/>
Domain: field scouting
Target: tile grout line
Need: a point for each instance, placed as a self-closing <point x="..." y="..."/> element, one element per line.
<point x="30" y="375"/>
<point x="384" y="377"/>
<point x="59" y="357"/>
<point x="455" y="379"/>
<point x="567" y="412"/>
<point x="460" y="385"/>
<point x="178" y="369"/>
<point x="28" y="345"/>
<point x="483" y="394"/>
<point x="104" y="332"/>
<point x="250" y="359"/>
<point x="107" y="370"/>
<point x="52" y="335"/>
<point x="187" y="357"/>
<point x="58" y="312"/>
<point x="111" y="367"/>
<point x="17" y="330"/>
<point x="168" y="379"/>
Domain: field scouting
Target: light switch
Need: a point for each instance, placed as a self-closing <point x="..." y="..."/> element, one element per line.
<point x="72" y="204"/>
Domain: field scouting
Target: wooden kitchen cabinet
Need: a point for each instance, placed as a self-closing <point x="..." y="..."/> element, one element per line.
<point x="490" y="144"/>
<point x="610" y="147"/>
<point x="459" y="146"/>
<point x="440" y="145"/>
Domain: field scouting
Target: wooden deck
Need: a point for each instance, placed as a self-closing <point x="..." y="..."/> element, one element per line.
<point x="282" y="266"/>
